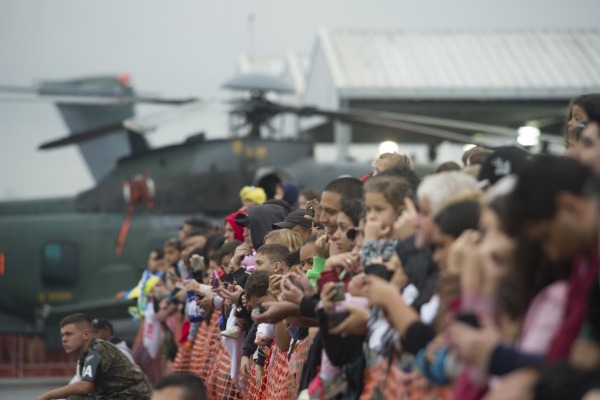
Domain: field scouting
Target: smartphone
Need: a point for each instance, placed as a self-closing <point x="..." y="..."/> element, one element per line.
<point x="469" y="318"/>
<point x="310" y="211"/>
<point x="215" y="282"/>
<point x="336" y="317"/>
<point x="340" y="293"/>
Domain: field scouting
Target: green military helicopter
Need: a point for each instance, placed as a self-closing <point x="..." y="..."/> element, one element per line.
<point x="59" y="256"/>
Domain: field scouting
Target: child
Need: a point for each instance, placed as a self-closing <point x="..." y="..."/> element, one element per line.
<point x="384" y="202"/>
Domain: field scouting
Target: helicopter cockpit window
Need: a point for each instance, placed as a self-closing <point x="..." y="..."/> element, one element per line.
<point x="60" y="264"/>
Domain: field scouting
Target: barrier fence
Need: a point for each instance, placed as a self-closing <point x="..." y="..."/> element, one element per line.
<point x="25" y="356"/>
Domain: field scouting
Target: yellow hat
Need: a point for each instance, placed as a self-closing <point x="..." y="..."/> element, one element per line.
<point x="255" y="194"/>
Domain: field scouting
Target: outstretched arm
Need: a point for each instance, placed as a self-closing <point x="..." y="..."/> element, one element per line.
<point x="77" y="388"/>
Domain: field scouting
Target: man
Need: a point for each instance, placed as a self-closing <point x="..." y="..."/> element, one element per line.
<point x="103" y="329"/>
<point x="105" y="372"/>
<point x="296" y="222"/>
<point x="180" y="386"/>
<point x="434" y="193"/>
<point x="589" y="149"/>
<point x="334" y="195"/>
<point x="550" y="206"/>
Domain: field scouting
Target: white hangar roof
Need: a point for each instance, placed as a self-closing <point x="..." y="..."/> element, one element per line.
<point x="452" y="64"/>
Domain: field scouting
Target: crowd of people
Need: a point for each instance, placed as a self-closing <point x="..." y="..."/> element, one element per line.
<point x="478" y="281"/>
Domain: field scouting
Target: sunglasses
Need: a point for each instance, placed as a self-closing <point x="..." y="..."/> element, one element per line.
<point x="351" y="233"/>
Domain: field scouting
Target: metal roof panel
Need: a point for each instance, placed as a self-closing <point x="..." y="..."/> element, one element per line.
<point x="536" y="63"/>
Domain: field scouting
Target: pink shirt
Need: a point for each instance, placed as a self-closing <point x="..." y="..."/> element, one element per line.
<point x="543" y="318"/>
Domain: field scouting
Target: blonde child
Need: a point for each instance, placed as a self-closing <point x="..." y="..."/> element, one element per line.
<point x="384" y="203"/>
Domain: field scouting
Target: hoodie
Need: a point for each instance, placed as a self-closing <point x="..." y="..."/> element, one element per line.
<point x="261" y="219"/>
<point x="238" y="231"/>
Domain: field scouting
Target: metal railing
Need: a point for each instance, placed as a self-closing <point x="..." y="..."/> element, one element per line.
<point x="25" y="356"/>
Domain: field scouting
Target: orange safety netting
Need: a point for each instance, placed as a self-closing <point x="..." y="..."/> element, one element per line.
<point x="279" y="383"/>
<point x="198" y="351"/>
<point x="298" y="358"/>
<point x="248" y="385"/>
<point x="211" y="361"/>
<point x="205" y="347"/>
<point x="265" y="376"/>
<point x="393" y="383"/>
<point x="219" y="384"/>
<point x="183" y="359"/>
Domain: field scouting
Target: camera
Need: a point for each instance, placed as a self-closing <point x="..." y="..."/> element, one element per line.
<point x="310" y="211"/>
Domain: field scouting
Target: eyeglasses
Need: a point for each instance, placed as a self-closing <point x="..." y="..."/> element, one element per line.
<point x="351" y="233"/>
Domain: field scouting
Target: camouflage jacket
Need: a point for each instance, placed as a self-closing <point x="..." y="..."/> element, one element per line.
<point x="113" y="375"/>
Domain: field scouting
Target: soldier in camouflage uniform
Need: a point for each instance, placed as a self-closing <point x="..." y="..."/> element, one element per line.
<point x="105" y="372"/>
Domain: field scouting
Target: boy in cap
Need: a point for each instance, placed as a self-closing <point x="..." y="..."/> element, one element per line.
<point x="296" y="221"/>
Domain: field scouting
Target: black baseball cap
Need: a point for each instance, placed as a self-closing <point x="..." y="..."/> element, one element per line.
<point x="294" y="218"/>
<point x="241" y="220"/>
<point x="501" y="162"/>
<point x="101" y="323"/>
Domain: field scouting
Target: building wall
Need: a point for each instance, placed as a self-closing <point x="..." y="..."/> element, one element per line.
<point x="320" y="90"/>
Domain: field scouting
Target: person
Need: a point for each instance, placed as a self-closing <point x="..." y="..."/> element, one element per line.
<point x="232" y="230"/>
<point x="288" y="192"/>
<point x="272" y="257"/>
<point x="334" y="195"/>
<point x="307" y="253"/>
<point x="180" y="386"/>
<point x="348" y="218"/>
<point x="388" y="160"/>
<point x="105" y="372"/>
<point x="295" y="221"/>
<point x="307" y="195"/>
<point x="473" y="156"/>
<point x="103" y="329"/>
<point x="447" y="166"/>
<point x="589" y="146"/>
<point x="434" y="193"/>
<point x="252" y="196"/>
<point x="194" y="224"/>
<point x="501" y="162"/>
<point x="151" y="276"/>
<point x="290" y="239"/>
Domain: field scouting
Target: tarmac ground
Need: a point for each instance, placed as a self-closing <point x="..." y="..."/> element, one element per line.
<point x="28" y="388"/>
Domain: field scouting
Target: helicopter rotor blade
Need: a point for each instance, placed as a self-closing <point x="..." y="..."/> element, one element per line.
<point x="75" y="96"/>
<point x="79" y="137"/>
<point x="456" y="124"/>
<point x="417" y="124"/>
<point x="151" y="122"/>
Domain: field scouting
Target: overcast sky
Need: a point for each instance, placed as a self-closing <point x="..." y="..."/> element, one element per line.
<point x="188" y="48"/>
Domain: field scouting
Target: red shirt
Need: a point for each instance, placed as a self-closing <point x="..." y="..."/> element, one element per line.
<point x="583" y="273"/>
